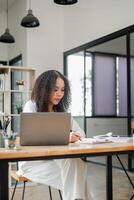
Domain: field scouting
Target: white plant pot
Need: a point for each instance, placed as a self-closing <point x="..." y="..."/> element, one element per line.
<point x="20" y="87"/>
<point x="10" y="143"/>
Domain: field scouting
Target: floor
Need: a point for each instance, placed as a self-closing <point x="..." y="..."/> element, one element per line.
<point x="96" y="177"/>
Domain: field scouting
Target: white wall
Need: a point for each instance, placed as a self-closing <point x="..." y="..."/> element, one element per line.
<point x="3" y="46"/>
<point x="91" y="19"/>
<point x="45" y="43"/>
<point x="41" y="47"/>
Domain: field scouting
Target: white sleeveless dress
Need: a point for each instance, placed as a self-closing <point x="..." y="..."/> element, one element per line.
<point x="68" y="175"/>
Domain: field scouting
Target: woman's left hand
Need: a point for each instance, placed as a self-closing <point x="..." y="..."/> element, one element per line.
<point x="74" y="137"/>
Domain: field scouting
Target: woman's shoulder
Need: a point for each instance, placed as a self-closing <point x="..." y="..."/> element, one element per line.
<point x="29" y="103"/>
<point x="30" y="106"/>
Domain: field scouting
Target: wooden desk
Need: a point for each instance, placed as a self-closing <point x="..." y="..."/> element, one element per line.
<point x="57" y="152"/>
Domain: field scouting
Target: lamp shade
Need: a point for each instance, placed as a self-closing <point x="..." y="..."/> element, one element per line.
<point x="65" y="2"/>
<point x="30" y="21"/>
<point x="7" y="37"/>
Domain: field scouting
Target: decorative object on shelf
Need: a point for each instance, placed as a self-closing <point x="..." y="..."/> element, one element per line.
<point x="7" y="37"/>
<point x="5" y="125"/>
<point x="9" y="143"/>
<point x="9" y="138"/>
<point x="65" y="2"/>
<point x="30" y="21"/>
<point x="20" y="84"/>
<point x="1" y="81"/>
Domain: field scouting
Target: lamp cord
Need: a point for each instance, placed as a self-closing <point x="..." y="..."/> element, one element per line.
<point x="7" y="13"/>
<point x="30" y="4"/>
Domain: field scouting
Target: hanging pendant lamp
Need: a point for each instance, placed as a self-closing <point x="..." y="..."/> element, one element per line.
<point x="65" y="2"/>
<point x="7" y="37"/>
<point x="30" y="21"/>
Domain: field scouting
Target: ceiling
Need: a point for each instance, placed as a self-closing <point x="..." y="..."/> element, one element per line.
<point x="3" y="4"/>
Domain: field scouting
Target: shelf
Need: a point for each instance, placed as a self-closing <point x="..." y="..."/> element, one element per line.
<point x="15" y="91"/>
<point x="19" y="91"/>
<point x="15" y="115"/>
<point x="4" y="91"/>
<point x="11" y="95"/>
<point x="10" y="115"/>
<point x="23" y="69"/>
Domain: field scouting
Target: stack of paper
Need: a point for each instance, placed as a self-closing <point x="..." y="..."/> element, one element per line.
<point x="97" y="139"/>
<point x="113" y="138"/>
<point x="119" y="139"/>
<point x="94" y="141"/>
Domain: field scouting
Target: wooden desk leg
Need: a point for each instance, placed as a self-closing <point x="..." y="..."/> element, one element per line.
<point x="4" y="180"/>
<point x="109" y="182"/>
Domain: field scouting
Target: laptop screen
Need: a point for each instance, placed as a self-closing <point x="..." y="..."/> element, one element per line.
<point x="45" y="128"/>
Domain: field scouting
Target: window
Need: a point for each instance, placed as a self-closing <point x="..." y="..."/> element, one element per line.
<point x="76" y="77"/>
<point x="98" y="84"/>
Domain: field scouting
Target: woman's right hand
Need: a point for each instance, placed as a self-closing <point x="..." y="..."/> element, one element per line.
<point x="74" y="137"/>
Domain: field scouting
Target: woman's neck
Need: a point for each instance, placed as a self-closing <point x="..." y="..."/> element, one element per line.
<point x="50" y="108"/>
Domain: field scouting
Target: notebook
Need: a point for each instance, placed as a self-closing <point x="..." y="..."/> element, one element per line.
<point x="44" y="128"/>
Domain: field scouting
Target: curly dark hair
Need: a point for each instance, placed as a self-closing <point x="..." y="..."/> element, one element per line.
<point x="43" y="87"/>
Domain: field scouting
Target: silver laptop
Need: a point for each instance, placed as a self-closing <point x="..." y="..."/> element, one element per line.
<point x="44" y="128"/>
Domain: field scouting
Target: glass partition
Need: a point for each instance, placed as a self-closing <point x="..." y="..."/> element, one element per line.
<point x="132" y="86"/>
<point x="99" y="75"/>
<point x="109" y="83"/>
<point x="132" y="72"/>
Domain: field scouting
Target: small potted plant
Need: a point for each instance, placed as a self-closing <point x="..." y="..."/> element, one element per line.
<point x="19" y="108"/>
<point x="20" y="84"/>
<point x="10" y="140"/>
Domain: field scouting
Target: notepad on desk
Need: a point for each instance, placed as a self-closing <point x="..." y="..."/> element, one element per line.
<point x="119" y="139"/>
<point x="94" y="141"/>
<point x="112" y="138"/>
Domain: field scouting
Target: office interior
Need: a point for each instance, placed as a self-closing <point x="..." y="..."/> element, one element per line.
<point x="71" y="39"/>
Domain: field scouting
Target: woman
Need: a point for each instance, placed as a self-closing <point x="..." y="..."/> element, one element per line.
<point x="51" y="93"/>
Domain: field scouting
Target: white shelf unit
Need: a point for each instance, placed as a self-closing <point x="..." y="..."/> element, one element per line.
<point x="11" y="96"/>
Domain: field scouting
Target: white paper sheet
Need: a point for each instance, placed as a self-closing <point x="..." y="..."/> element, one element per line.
<point x="94" y="141"/>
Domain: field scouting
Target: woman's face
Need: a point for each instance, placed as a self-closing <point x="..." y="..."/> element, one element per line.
<point x="58" y="92"/>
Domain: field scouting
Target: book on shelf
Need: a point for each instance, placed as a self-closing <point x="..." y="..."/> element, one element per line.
<point x="2" y="81"/>
<point x="6" y="81"/>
